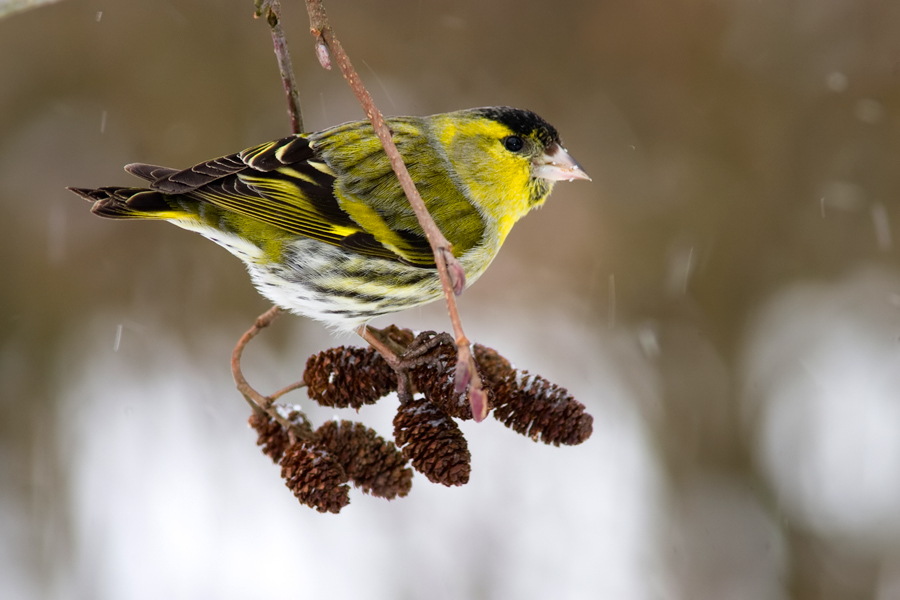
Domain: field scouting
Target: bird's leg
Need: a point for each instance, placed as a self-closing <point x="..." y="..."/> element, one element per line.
<point x="401" y="359"/>
<point x="425" y="342"/>
<point x="391" y="352"/>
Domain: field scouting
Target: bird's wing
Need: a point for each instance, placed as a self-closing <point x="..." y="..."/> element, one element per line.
<point x="285" y="184"/>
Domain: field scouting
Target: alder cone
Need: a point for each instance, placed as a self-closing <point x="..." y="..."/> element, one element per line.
<point x="494" y="368"/>
<point x="531" y="405"/>
<point x="270" y="435"/>
<point x="374" y="464"/>
<point x="314" y="478"/>
<point x="436" y="379"/>
<point x="348" y="377"/>
<point x="432" y="442"/>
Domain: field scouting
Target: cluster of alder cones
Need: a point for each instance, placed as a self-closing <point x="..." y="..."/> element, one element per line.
<point x="318" y="464"/>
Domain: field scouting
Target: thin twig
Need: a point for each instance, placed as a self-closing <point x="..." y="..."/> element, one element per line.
<point x="265" y="405"/>
<point x="288" y="388"/>
<point x="271" y="10"/>
<point x="382" y="345"/>
<point x="451" y="273"/>
<point x="257" y="400"/>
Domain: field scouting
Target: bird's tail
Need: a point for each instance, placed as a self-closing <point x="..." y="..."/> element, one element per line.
<point x="131" y="202"/>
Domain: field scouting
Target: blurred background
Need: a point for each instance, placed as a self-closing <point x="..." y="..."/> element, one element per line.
<point x="724" y="297"/>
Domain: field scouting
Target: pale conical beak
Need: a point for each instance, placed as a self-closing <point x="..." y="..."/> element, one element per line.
<point x="556" y="165"/>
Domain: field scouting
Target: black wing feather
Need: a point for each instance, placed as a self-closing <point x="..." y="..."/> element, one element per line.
<point x="275" y="184"/>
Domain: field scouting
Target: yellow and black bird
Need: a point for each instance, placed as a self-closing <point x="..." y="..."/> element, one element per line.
<point x="322" y="223"/>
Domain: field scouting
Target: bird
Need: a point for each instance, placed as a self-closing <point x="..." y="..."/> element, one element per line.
<point x="320" y="219"/>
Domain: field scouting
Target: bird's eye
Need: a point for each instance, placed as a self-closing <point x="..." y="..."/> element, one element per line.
<point x="513" y="143"/>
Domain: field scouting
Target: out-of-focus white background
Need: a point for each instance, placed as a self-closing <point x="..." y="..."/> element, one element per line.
<point x="724" y="297"/>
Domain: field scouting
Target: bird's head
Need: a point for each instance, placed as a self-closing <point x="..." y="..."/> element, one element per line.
<point x="507" y="157"/>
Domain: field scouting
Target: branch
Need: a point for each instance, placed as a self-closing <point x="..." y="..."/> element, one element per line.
<point x="256" y="400"/>
<point x="263" y="405"/>
<point x="271" y="10"/>
<point x="452" y="275"/>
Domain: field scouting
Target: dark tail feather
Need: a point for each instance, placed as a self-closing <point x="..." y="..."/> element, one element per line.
<point x="149" y="172"/>
<point x="129" y="203"/>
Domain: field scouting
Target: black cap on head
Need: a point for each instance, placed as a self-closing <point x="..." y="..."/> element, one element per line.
<point x="522" y="122"/>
